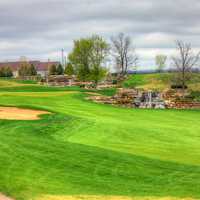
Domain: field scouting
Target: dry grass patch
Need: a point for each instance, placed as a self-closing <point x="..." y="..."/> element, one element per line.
<point x="13" y="113"/>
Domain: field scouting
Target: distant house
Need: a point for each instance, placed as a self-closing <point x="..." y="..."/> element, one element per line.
<point x="41" y="67"/>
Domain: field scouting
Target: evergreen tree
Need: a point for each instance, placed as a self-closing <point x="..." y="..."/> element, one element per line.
<point x="32" y="70"/>
<point x="59" y="70"/>
<point x="69" y="70"/>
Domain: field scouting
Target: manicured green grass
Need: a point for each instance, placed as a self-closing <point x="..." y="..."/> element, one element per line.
<point x="12" y="85"/>
<point x="135" y="80"/>
<point x="89" y="148"/>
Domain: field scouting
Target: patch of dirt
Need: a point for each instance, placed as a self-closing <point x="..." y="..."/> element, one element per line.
<point x="86" y="197"/>
<point x="3" y="197"/>
<point x="13" y="113"/>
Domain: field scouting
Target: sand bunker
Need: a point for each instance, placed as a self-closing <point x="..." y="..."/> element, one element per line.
<point x="13" y="113"/>
<point x="2" y="197"/>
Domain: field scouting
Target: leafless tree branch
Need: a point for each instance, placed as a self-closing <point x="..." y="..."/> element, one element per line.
<point x="123" y="53"/>
<point x="184" y="62"/>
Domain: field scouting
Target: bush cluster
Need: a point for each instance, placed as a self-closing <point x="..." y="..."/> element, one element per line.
<point x="27" y="70"/>
<point x="56" y="70"/>
<point x="6" y="72"/>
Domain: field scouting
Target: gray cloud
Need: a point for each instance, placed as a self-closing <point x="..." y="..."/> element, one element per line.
<point x="40" y="28"/>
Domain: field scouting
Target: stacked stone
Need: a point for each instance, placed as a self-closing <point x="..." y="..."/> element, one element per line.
<point x="126" y="97"/>
<point x="173" y="100"/>
<point x="103" y="99"/>
<point x="184" y="105"/>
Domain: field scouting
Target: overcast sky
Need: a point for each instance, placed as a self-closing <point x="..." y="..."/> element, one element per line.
<point x="38" y="29"/>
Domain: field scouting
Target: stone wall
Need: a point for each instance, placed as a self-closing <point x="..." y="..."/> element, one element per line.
<point x="184" y="105"/>
<point x="147" y="99"/>
<point x="131" y="98"/>
<point x="174" y="99"/>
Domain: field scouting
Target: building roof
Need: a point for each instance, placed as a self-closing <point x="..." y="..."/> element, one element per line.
<point x="40" y="66"/>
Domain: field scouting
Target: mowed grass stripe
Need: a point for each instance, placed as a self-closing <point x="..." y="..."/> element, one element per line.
<point x="156" y="134"/>
<point x="91" y="149"/>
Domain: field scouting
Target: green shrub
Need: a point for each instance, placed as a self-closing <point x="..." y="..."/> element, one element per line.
<point x="195" y="95"/>
<point x="6" y="72"/>
<point x="114" y="82"/>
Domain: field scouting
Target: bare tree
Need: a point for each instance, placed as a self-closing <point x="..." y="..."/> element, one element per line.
<point x="184" y="62"/>
<point x="123" y="53"/>
<point x="161" y="62"/>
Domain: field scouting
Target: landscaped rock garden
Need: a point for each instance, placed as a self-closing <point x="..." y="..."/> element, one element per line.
<point x="133" y="98"/>
<point x="64" y="80"/>
<point x="58" y="80"/>
<point x="174" y="99"/>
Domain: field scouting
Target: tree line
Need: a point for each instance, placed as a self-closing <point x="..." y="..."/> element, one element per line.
<point x="27" y="69"/>
<point x="6" y="72"/>
<point x="89" y="56"/>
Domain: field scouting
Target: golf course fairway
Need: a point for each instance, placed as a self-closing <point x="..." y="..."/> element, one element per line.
<point x="89" y="151"/>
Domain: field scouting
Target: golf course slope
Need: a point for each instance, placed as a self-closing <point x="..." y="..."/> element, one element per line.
<point x="84" y="150"/>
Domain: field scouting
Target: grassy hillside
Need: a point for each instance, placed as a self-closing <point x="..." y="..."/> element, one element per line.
<point x="85" y="148"/>
<point x="157" y="81"/>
